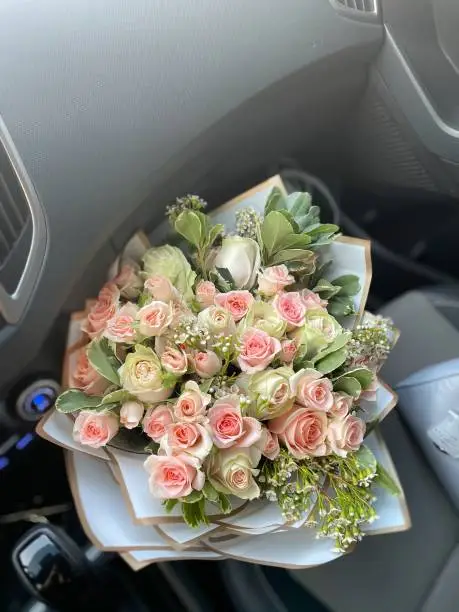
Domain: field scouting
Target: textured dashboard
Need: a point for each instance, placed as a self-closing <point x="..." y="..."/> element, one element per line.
<point x="99" y="96"/>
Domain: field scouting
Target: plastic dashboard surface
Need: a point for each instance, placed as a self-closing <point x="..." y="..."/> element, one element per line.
<point x="99" y="96"/>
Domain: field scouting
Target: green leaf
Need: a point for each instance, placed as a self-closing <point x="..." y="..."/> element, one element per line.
<point x="299" y="255"/>
<point x="274" y="230"/>
<point x="143" y="299"/>
<point x="341" y="306"/>
<point x="331" y="362"/>
<point x="213" y="234"/>
<point x="169" y="504"/>
<point x="322" y="228"/>
<point x="384" y="479"/>
<point x="226" y="276"/>
<point x="326" y="289"/>
<point x="296" y="241"/>
<point x="193" y="497"/>
<point x="152" y="447"/>
<point x="104" y="360"/>
<point x="299" y="203"/>
<point x="74" y="400"/>
<point x="193" y="514"/>
<point x="169" y="380"/>
<point x="188" y="225"/>
<point x="363" y="375"/>
<point x="366" y="458"/>
<point x="274" y="201"/>
<point x="206" y="385"/>
<point x="348" y="385"/>
<point x="224" y="503"/>
<point x="338" y="343"/>
<point x="116" y="397"/>
<point x="210" y="492"/>
<point x="349" y="283"/>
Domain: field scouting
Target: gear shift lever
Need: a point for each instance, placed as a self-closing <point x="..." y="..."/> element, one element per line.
<point x="54" y="569"/>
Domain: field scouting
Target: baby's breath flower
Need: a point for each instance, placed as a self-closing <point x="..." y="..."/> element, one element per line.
<point x="188" y="202"/>
<point x="247" y="220"/>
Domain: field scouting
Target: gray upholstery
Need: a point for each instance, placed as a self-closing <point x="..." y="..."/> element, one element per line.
<point x="418" y="569"/>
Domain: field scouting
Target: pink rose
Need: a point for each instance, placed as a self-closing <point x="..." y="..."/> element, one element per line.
<point x="311" y="300"/>
<point x="205" y="293"/>
<point x="131" y="414"/>
<point x="302" y="431"/>
<point x="156" y="420"/>
<point x="312" y="390"/>
<point x="288" y="350"/>
<point x="86" y="378"/>
<point x="345" y="435"/>
<point x="342" y="404"/>
<point x="192" y="438"/>
<point x="154" y="318"/>
<point x="95" y="429"/>
<point x="160" y="288"/>
<point x="206" y="363"/>
<point x="228" y="426"/>
<point x="128" y="282"/>
<point x="237" y="302"/>
<point x="269" y="444"/>
<point x="191" y="404"/>
<point x="174" y="476"/>
<point x="258" y="349"/>
<point x="102" y="311"/>
<point x="180" y="313"/>
<point x="174" y="360"/>
<point x="290" y="308"/>
<point x="274" y="279"/>
<point x="121" y="327"/>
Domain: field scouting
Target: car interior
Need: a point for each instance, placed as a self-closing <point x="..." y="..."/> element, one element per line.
<point x="111" y="109"/>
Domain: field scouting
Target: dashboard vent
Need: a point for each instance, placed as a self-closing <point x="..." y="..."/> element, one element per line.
<point x="366" y="9"/>
<point x="23" y="235"/>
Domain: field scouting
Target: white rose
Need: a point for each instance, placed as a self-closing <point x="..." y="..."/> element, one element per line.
<point x="232" y="471"/>
<point x="241" y="257"/>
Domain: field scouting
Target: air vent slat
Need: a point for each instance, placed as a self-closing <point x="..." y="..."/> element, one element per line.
<point x="17" y="216"/>
<point x="369" y="7"/>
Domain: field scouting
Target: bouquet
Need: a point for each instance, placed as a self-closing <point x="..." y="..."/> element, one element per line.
<point x="233" y="372"/>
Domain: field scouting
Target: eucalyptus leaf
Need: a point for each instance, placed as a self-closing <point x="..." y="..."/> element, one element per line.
<point x="296" y="241"/>
<point x="274" y="201"/>
<point x="349" y="283"/>
<point x="326" y="289"/>
<point x="331" y="362"/>
<point x="341" y="306"/>
<point x="298" y="255"/>
<point x="104" y="360"/>
<point x="322" y="228"/>
<point x="73" y="400"/>
<point x="348" y="385"/>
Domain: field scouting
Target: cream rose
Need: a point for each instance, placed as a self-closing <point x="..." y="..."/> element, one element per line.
<point x="141" y="375"/>
<point x="95" y="429"/>
<point x="156" y="420"/>
<point x="257" y="351"/>
<point x="322" y="322"/>
<point x="85" y="378"/>
<point x="265" y="317"/>
<point x="271" y="392"/>
<point x="121" y="327"/>
<point x="131" y="414"/>
<point x="171" y="477"/>
<point x="241" y="257"/>
<point x="102" y="311"/>
<point x="154" y="318"/>
<point x="313" y="390"/>
<point x="274" y="279"/>
<point x="217" y="320"/>
<point x="232" y="471"/>
<point x="302" y="431"/>
<point x="191" y="404"/>
<point x="345" y="435"/>
<point x="192" y="438"/>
